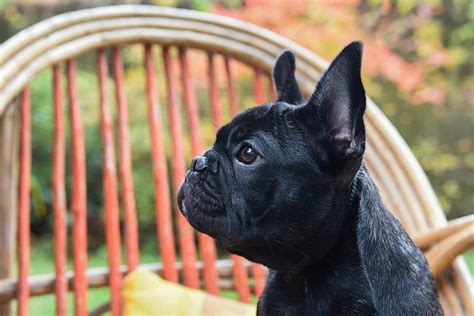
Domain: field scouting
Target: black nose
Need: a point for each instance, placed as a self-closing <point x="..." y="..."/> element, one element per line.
<point x="199" y="164"/>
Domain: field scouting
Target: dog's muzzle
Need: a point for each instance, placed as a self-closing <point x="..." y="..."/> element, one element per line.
<point x="199" y="195"/>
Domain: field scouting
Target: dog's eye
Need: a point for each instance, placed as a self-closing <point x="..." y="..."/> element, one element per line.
<point x="247" y="155"/>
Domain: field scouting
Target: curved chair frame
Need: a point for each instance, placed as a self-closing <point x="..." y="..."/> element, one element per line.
<point x="400" y="178"/>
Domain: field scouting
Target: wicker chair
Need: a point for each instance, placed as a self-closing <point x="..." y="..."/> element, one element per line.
<point x="59" y="40"/>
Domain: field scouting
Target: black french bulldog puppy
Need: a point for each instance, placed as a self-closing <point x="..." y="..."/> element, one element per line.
<point x="285" y="185"/>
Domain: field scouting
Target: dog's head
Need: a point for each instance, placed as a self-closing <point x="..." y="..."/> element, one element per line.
<point x="269" y="186"/>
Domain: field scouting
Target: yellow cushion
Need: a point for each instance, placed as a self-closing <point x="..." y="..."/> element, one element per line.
<point x="145" y="293"/>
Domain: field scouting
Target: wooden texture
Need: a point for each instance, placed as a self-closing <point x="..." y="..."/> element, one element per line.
<point x="59" y="194"/>
<point x="234" y="108"/>
<point x="112" y="225"/>
<point x="185" y="231"/>
<point x="79" y="194"/>
<point x="99" y="277"/>
<point x="403" y="185"/>
<point x="214" y="99"/>
<point x="9" y="154"/>
<point x="125" y="165"/>
<point x="160" y="171"/>
<point x="24" y="178"/>
<point x="426" y="239"/>
<point x="206" y="244"/>
<point x="444" y="252"/>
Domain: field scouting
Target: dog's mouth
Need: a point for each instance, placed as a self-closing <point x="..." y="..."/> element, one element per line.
<point x="201" y="205"/>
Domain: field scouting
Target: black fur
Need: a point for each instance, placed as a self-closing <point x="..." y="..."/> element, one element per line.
<point x="285" y="81"/>
<point x="306" y="207"/>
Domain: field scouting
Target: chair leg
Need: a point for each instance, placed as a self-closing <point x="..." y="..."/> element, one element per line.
<point x="9" y="124"/>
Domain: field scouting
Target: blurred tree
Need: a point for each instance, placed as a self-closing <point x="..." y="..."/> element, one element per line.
<point x="418" y="67"/>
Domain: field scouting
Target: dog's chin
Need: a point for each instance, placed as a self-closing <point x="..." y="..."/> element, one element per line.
<point x="267" y="257"/>
<point x="203" y="217"/>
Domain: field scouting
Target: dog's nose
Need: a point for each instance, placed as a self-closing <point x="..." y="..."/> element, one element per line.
<point x="199" y="164"/>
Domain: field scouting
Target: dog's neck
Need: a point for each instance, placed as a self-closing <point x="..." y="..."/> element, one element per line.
<point x="344" y="249"/>
<point x="351" y="277"/>
<point x="345" y="202"/>
<point x="340" y="266"/>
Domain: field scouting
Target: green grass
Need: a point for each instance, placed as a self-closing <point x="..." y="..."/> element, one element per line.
<point x="469" y="256"/>
<point x="42" y="263"/>
<point x="44" y="305"/>
<point x="42" y="257"/>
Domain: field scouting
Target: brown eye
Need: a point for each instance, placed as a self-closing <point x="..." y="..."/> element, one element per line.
<point x="247" y="155"/>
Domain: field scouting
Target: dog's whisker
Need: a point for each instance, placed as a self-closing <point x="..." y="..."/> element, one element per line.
<point x="228" y="223"/>
<point x="294" y="248"/>
<point x="269" y="243"/>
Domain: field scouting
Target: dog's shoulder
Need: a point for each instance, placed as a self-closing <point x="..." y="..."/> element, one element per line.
<point x="327" y="289"/>
<point x="386" y="249"/>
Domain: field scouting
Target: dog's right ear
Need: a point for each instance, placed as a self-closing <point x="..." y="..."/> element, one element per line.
<point x="284" y="77"/>
<point x="338" y="104"/>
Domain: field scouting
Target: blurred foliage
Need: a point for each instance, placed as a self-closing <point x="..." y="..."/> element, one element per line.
<point x="418" y="67"/>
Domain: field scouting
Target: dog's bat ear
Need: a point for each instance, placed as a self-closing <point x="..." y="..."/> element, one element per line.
<point x="284" y="77"/>
<point x="339" y="104"/>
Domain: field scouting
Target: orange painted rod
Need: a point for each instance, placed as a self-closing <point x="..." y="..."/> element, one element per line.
<point x="160" y="172"/>
<point x="24" y="205"/>
<point x="186" y="234"/>
<point x="112" y="225"/>
<point x="125" y="166"/>
<point x="59" y="195"/>
<point x="78" y="192"/>
<point x="214" y="93"/>
<point x="206" y="244"/>
<point x="230" y="87"/>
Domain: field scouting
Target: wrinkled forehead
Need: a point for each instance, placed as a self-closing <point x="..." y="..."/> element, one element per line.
<point x="252" y="123"/>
